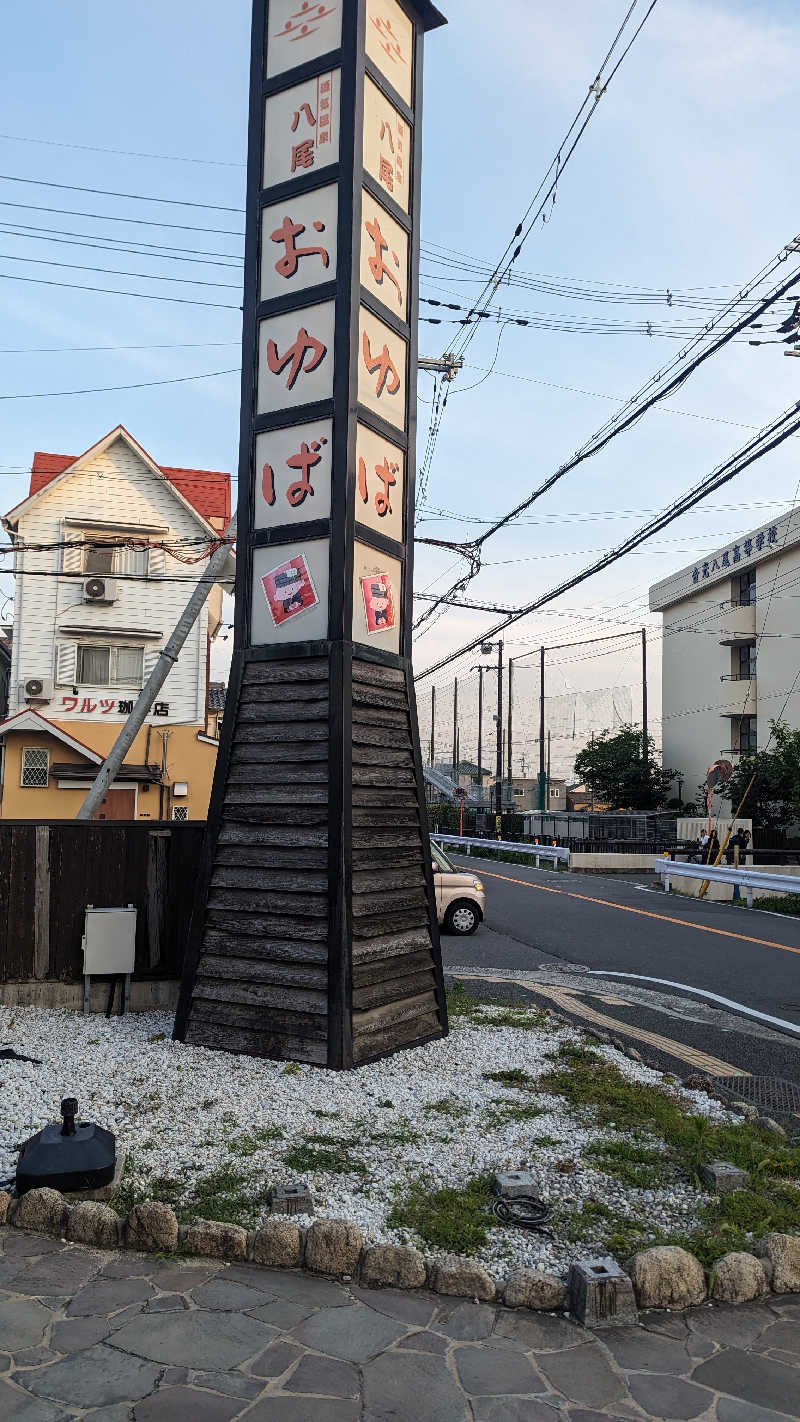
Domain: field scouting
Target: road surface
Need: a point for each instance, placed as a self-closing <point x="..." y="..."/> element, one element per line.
<point x="545" y="930"/>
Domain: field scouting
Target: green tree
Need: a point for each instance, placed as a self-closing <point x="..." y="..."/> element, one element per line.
<point x="612" y="766"/>
<point x="773" y="802"/>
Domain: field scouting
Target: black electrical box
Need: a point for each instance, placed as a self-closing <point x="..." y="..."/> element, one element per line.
<point x="76" y="1155"/>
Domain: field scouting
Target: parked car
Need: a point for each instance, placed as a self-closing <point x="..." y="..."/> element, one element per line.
<point x="460" y="896"/>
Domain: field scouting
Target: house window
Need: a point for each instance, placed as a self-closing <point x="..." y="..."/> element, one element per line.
<point x="110" y="666"/>
<point x="747" y="661"/>
<point x="747" y="733"/>
<point x="747" y="588"/>
<point x="35" y="767"/>
<point x="180" y="812"/>
<point x="104" y="559"/>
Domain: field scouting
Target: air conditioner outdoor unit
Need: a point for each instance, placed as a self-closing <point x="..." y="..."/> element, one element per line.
<point x="37" y="688"/>
<point x="100" y="589"/>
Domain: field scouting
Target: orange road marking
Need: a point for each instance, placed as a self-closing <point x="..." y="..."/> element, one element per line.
<point x="643" y="913"/>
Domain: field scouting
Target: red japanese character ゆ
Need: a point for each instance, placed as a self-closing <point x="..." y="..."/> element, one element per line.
<point x="388" y="377"/>
<point x="288" y="232"/>
<point x="377" y="265"/>
<point x="295" y="356"/>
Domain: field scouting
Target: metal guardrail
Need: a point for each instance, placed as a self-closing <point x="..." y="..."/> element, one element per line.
<point x="745" y="878"/>
<point x="554" y="852"/>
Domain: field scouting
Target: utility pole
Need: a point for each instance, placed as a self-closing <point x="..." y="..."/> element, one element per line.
<point x="542" y="771"/>
<point x="433" y="724"/>
<point x="108" y="770"/>
<point x="455" y="729"/>
<point x="499" y="768"/>
<point x="645" y="739"/>
<point x="480" y="670"/>
<point x="509" y="746"/>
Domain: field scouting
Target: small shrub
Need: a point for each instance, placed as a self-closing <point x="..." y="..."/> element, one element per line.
<point x="453" y="1219"/>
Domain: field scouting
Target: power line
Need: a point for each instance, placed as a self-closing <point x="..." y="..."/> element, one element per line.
<point x="768" y="439"/>
<point x="102" y="389"/>
<point x="113" y="291"/>
<point x="113" y="217"/>
<point x="110" y="192"/>
<point x="115" y="271"/>
<point x="102" y="242"/>
<point x="120" y="152"/>
<point x="665" y="381"/>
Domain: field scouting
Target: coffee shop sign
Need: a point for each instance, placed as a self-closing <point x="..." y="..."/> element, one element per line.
<point x="734" y="555"/>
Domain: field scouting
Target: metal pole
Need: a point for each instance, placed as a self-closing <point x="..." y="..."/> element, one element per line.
<point x="542" y="771"/>
<point x="509" y="747"/>
<point x="645" y="745"/>
<point x="158" y="676"/>
<point x="455" y="729"/>
<point x="480" y="730"/>
<point x="433" y="724"/>
<point x="499" y="762"/>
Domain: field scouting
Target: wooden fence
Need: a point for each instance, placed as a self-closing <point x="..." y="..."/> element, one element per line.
<point x="50" y="872"/>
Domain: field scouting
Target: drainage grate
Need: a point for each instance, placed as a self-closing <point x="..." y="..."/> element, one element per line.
<point x="771" y="1093"/>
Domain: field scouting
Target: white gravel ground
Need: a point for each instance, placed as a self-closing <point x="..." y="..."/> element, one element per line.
<point x="179" y="1112"/>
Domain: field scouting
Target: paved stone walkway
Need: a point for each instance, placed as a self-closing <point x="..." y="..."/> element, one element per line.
<point x="130" y="1338"/>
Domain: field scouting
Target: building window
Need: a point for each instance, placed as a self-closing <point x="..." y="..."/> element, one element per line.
<point x="747" y="661"/>
<point x="747" y="588"/>
<point x="180" y="812"/>
<point x="110" y="666"/>
<point x="747" y="733"/>
<point x="35" y="767"/>
<point x="104" y="559"/>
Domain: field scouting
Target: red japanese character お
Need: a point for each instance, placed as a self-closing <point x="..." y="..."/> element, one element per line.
<point x="288" y="232"/>
<point x="377" y="265"/>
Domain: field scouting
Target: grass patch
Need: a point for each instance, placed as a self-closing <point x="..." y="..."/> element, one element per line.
<point x="632" y="1164"/>
<point x="455" y="1220"/>
<point x="487" y="1012"/>
<point x="779" y="903"/>
<point x="248" y="1145"/>
<point x="227" y="1194"/>
<point x="510" y="1076"/>
<point x="158" y="1037"/>
<point x="447" y="1106"/>
<point x="401" y="1134"/>
<point x="500" y="1113"/>
<point x="332" y="1155"/>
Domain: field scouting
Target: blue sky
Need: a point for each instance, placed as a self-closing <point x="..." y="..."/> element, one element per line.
<point x="685" y="178"/>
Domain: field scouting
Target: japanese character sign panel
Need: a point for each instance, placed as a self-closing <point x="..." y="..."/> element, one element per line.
<point x="295" y="358"/>
<point x="390" y="44"/>
<point x="293" y="475"/>
<point x="384" y="256"/>
<point x="301" y="129"/>
<point x="377" y="583"/>
<point x="298" y="243"/>
<point x="381" y="369"/>
<point x="387" y="145"/>
<point x="290" y="592"/>
<point x="300" y="30"/>
<point x="289" y="589"/>
<point x="380" y="470"/>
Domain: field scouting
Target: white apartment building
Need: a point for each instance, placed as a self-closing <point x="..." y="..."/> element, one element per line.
<point x="91" y="616"/>
<point x="731" y="650"/>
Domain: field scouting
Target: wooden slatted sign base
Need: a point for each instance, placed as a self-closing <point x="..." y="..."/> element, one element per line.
<point x="314" y="936"/>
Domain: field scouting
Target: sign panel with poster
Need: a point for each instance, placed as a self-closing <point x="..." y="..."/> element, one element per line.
<point x="321" y="682"/>
<point x="289" y="589"/>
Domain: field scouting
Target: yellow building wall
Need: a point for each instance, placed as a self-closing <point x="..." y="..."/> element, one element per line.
<point x="187" y="759"/>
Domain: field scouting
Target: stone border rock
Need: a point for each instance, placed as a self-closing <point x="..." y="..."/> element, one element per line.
<point x="664" y="1276"/>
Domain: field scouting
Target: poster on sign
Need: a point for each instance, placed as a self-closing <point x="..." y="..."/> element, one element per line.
<point x="378" y="602"/>
<point x="289" y="589"/>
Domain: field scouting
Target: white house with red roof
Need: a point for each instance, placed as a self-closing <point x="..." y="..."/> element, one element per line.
<point x="108" y="545"/>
